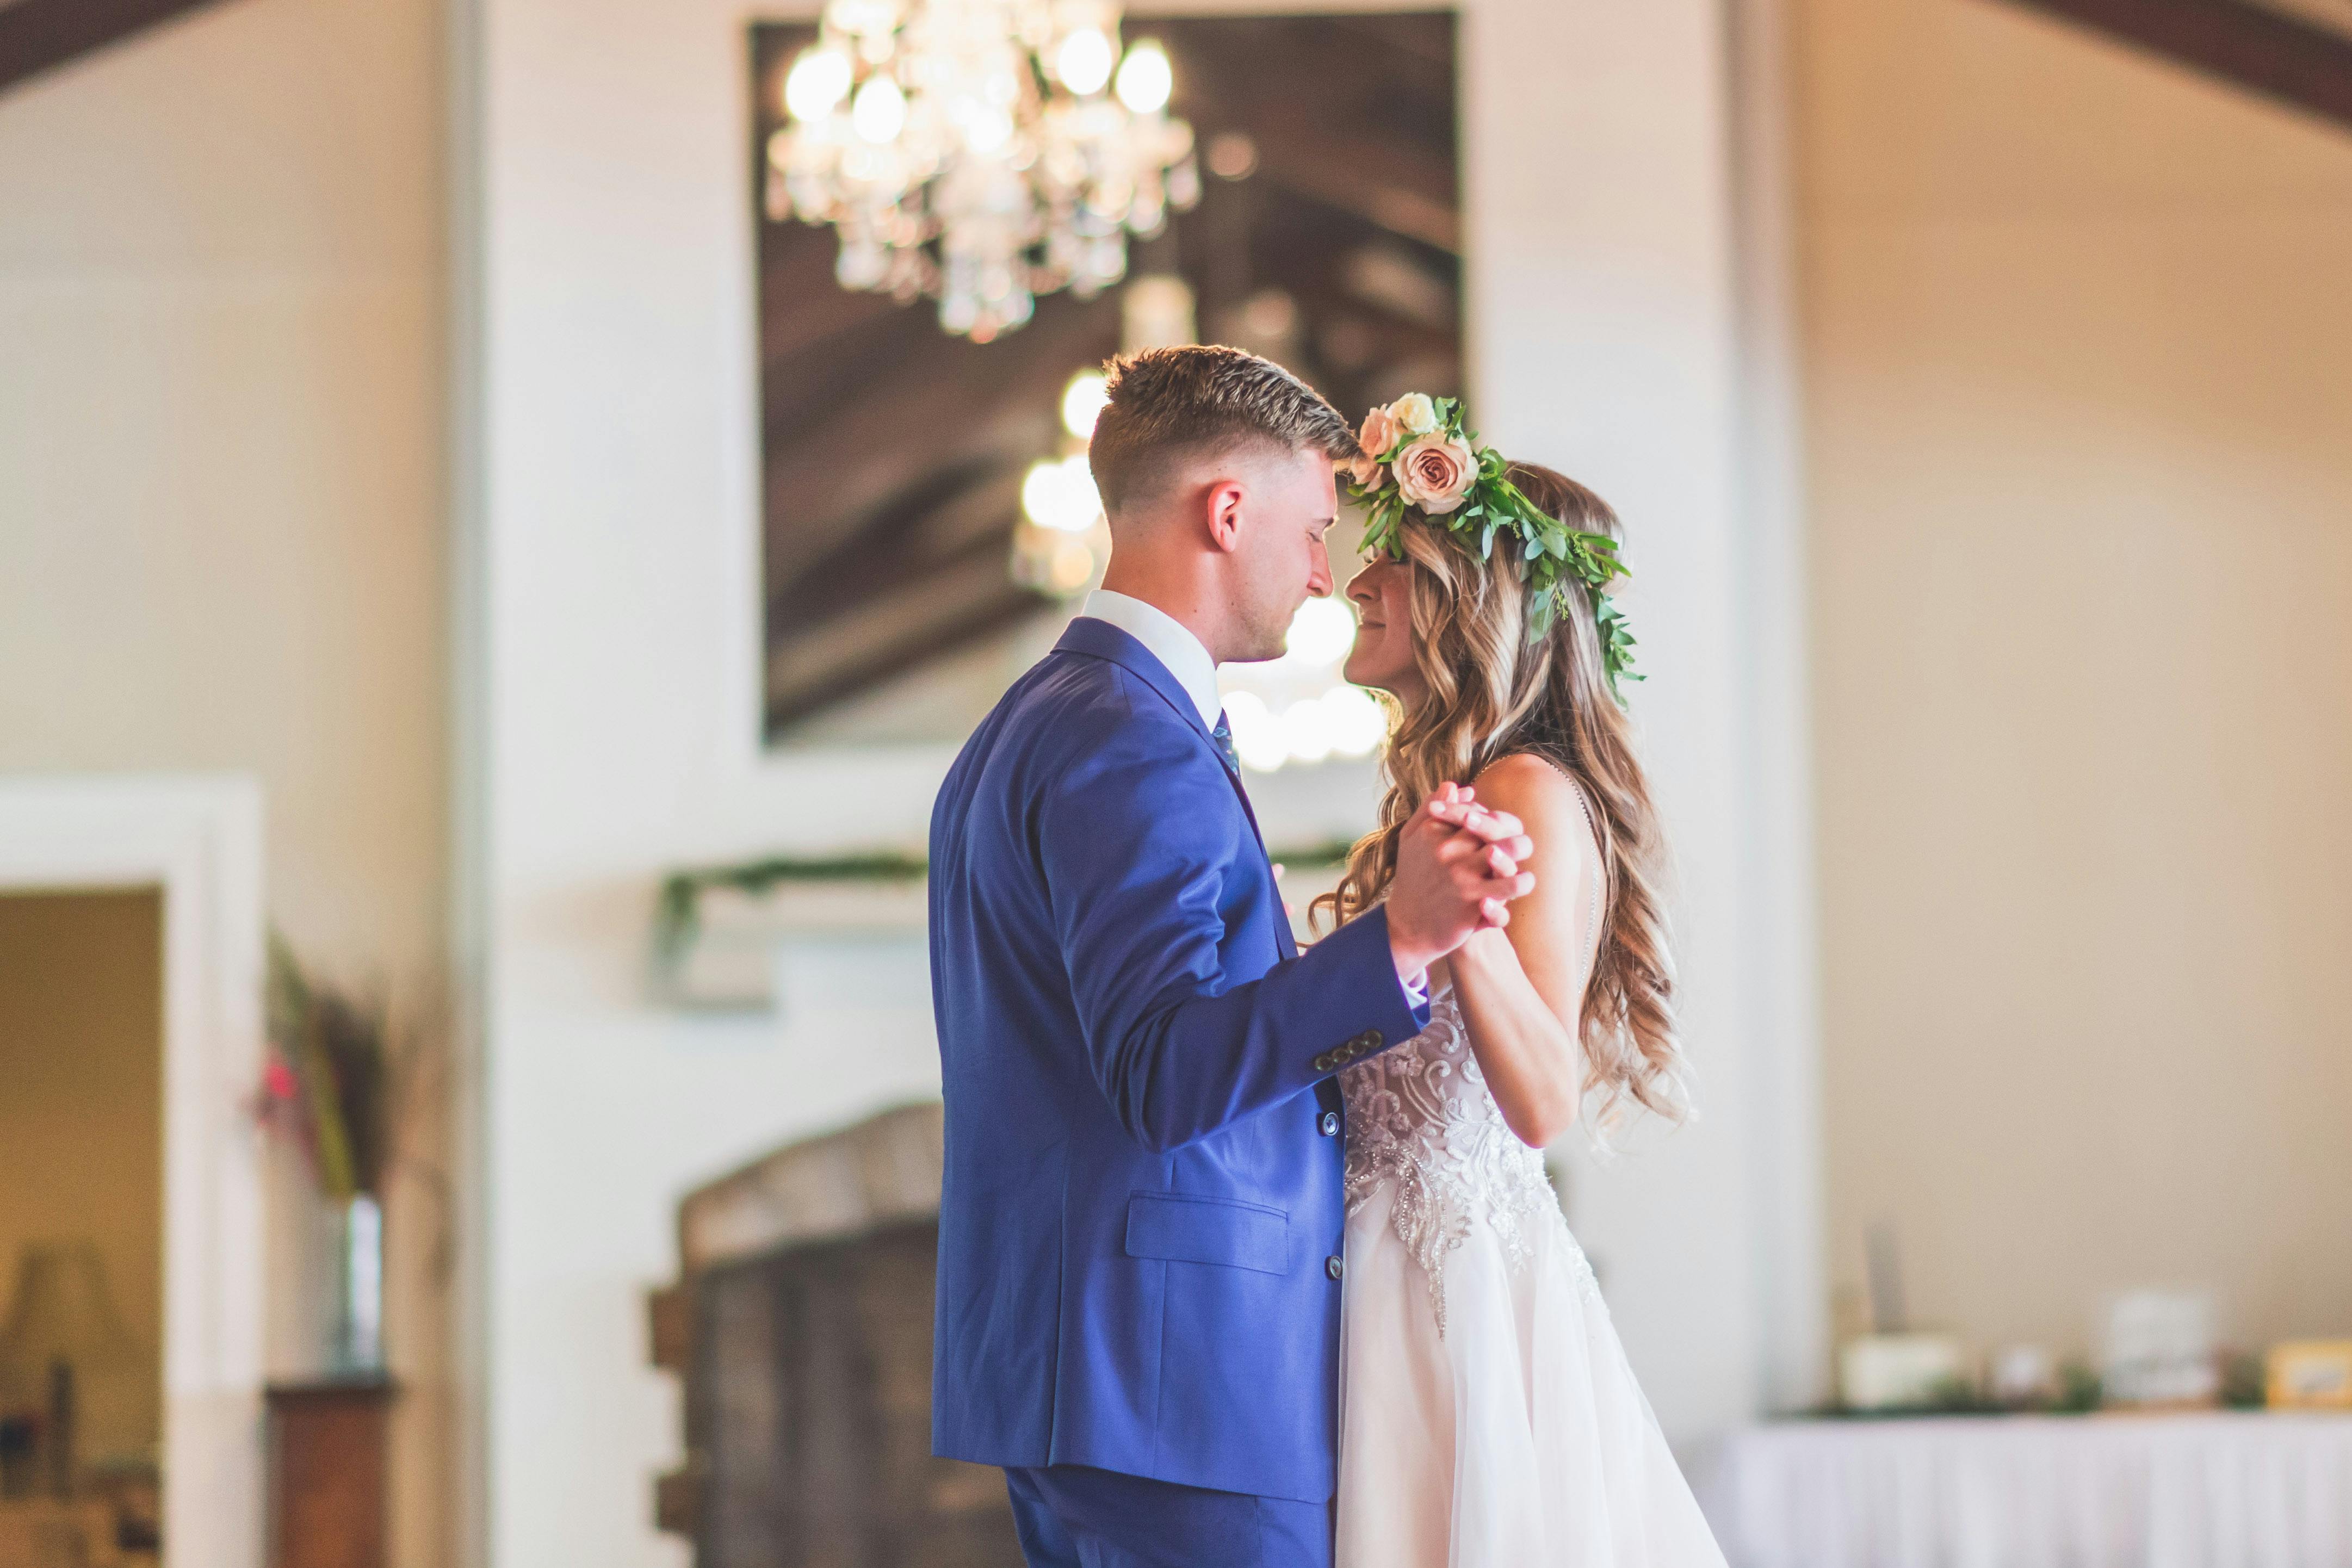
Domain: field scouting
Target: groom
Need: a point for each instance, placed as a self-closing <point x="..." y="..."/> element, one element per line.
<point x="1140" y="1231"/>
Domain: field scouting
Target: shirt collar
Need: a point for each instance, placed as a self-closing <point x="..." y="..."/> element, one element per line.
<point x="1166" y="638"/>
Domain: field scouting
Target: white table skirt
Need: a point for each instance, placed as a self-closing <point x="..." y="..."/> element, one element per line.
<point x="2225" y="1489"/>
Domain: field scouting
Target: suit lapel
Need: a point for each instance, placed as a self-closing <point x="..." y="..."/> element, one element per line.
<point x="1102" y="640"/>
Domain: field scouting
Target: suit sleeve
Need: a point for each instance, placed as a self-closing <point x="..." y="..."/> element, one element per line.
<point x="1136" y="838"/>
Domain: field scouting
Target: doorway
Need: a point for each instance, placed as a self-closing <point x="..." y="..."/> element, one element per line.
<point x="130" y="1215"/>
<point x="81" y="1227"/>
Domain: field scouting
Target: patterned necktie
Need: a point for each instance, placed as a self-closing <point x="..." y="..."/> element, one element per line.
<point x="1223" y="735"/>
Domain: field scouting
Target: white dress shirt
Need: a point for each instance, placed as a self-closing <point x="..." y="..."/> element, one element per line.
<point x="1167" y="640"/>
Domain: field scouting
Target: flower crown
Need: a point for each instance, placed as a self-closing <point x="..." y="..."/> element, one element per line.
<point x="1419" y="455"/>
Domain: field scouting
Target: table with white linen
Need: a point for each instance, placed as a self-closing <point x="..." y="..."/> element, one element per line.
<point x="2208" y="1489"/>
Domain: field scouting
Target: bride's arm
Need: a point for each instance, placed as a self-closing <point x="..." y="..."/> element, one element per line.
<point x="1521" y="989"/>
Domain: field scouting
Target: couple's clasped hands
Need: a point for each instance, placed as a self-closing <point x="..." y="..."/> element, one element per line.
<point x="1457" y="872"/>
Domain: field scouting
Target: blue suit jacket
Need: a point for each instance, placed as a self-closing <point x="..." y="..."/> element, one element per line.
<point x="1142" y="1194"/>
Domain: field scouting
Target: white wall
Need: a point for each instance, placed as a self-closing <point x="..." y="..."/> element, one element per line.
<point x="2078" y="337"/>
<point x="619" y="654"/>
<point x="220" y="484"/>
<point x="220" y="497"/>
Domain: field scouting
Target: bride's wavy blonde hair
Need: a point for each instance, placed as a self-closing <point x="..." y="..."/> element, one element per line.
<point x="1492" y="694"/>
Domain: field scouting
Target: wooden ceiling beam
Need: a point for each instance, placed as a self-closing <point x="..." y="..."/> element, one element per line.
<point x="37" y="34"/>
<point x="2265" y="51"/>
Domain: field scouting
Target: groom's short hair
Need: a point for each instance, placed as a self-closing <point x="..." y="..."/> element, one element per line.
<point x="1169" y="406"/>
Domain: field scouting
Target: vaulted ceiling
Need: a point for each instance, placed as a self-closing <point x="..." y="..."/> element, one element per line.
<point x="38" y="35"/>
<point x="2297" y="52"/>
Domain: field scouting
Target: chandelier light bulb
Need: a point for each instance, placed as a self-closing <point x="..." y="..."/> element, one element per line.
<point x="1082" y="402"/>
<point x="1084" y="61"/>
<point x="816" y="84"/>
<point x="863" y="18"/>
<point x="986" y="129"/>
<point x="879" y="111"/>
<point x="1145" y="77"/>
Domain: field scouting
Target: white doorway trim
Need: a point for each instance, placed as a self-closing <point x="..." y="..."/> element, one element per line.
<point x="197" y="839"/>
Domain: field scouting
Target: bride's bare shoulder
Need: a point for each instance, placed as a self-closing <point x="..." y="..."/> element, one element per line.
<point x="1523" y="783"/>
<point x="1540" y="796"/>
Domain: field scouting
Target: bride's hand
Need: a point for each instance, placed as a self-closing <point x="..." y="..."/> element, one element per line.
<point x="1457" y="871"/>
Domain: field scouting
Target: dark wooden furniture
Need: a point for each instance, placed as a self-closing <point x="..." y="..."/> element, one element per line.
<point x="801" y="1326"/>
<point x="328" y="1444"/>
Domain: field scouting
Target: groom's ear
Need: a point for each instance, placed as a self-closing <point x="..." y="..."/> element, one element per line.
<point x="1221" y="499"/>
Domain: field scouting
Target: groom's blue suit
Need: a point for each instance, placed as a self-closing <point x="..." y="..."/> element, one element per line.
<point x="1140" y="1231"/>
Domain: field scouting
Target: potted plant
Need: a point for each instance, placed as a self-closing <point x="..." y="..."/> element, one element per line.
<point x="339" y="1075"/>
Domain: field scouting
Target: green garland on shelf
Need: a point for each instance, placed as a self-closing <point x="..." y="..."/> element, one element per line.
<point x="677" y="917"/>
<point x="677" y="913"/>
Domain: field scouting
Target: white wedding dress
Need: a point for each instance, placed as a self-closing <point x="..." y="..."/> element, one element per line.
<point x="1487" y="1417"/>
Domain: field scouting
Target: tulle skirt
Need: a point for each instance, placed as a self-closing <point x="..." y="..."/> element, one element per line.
<point x="1517" y="1437"/>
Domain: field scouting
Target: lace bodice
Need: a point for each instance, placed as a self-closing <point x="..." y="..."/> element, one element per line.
<point x="1421" y="1117"/>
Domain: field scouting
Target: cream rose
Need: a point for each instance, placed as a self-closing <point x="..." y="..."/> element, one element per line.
<point x="1415" y="412"/>
<point x="1379" y="433"/>
<point x="1435" y="473"/>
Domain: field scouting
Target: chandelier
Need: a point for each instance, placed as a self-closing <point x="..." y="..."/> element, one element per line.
<point x="979" y="151"/>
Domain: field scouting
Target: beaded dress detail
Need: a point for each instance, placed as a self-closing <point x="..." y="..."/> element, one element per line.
<point x="1420" y="1118"/>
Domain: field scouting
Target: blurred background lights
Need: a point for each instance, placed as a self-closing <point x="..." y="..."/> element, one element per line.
<point x="1145" y="77"/>
<point x="816" y="84"/>
<point x="1082" y="402"/>
<point x="1258" y="735"/>
<point x="1072" y="567"/>
<point x="1358" y="723"/>
<point x="1296" y="710"/>
<point x="1307" y="730"/>
<point x="1060" y="494"/>
<point x="1084" y="62"/>
<point x="879" y="111"/>
<point x="1321" y="632"/>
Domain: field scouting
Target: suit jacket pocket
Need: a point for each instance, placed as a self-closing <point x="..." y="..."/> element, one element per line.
<point x="1185" y="1229"/>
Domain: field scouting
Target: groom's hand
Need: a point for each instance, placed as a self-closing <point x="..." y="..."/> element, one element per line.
<point x="1457" y="872"/>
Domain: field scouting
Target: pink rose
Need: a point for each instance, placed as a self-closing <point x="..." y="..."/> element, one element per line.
<point x="1435" y="473"/>
<point x="1364" y="469"/>
<point x="1379" y="433"/>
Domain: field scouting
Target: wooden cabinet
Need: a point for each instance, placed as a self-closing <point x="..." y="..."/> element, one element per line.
<point x="329" y="1443"/>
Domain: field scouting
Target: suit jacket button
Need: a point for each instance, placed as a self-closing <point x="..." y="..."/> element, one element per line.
<point x="1369" y="1040"/>
<point x="1334" y="1266"/>
<point x="1330" y="1123"/>
<point x="1322" y="1064"/>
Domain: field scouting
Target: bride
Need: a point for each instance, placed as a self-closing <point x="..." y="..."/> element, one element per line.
<point x="1488" y="1414"/>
